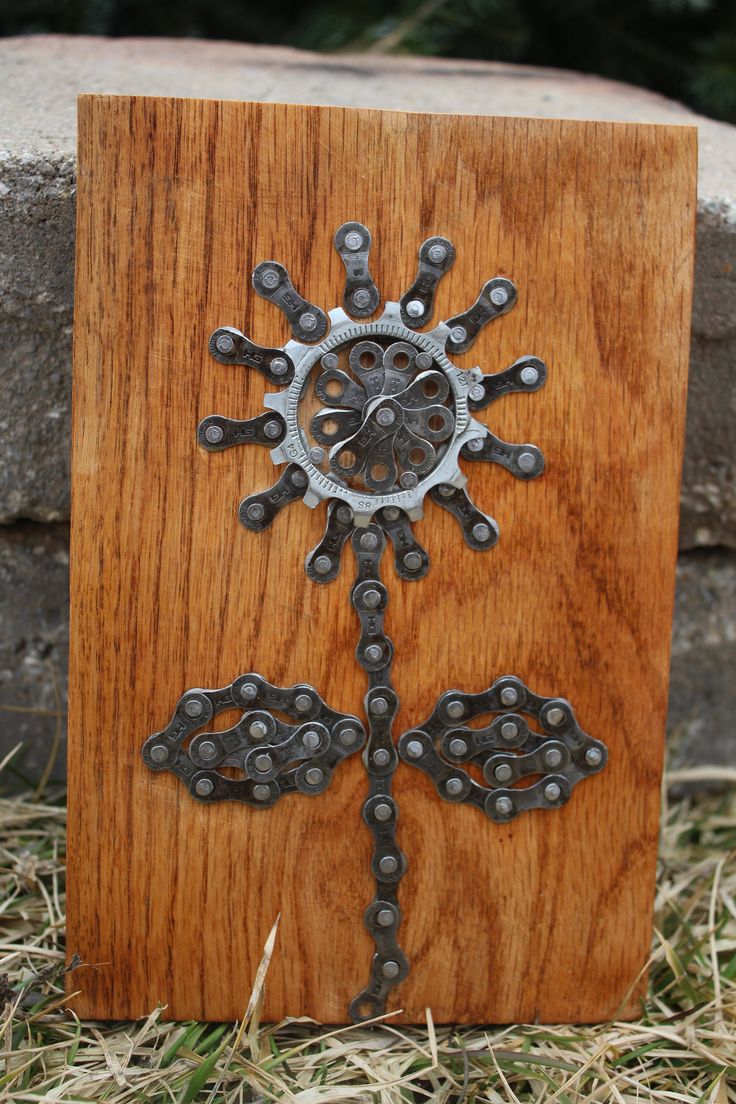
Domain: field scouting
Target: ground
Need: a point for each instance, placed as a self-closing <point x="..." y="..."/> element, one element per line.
<point x="683" y="1048"/>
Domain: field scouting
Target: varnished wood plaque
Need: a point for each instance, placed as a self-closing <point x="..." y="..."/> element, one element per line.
<point x="546" y="918"/>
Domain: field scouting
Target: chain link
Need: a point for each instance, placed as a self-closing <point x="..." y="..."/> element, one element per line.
<point x="261" y="745"/>
<point x="230" y="346"/>
<point x="507" y="749"/>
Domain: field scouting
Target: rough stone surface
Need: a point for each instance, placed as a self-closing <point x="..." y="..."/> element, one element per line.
<point x="34" y="639"/>
<point x="702" y="684"/>
<point x="36" y="285"/>
<point x="41" y="78"/>
<point x="34" y="648"/>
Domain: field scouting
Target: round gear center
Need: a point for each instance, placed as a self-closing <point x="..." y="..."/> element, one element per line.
<point x="377" y="413"/>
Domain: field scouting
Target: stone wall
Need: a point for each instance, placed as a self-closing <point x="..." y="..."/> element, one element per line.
<point x="41" y="78"/>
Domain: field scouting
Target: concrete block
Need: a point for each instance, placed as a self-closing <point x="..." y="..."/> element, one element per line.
<point x="42" y="75"/>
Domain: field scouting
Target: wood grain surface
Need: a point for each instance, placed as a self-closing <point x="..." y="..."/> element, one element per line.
<point x="548" y="918"/>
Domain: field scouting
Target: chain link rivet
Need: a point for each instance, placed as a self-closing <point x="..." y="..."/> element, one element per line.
<point x="204" y="787"/>
<point x="509" y="730"/>
<point x="423" y="361"/>
<point x="552" y="791"/>
<point x="311" y="740"/>
<point x="272" y="429"/>
<point x="348" y="736"/>
<point x="412" y="561"/>
<point x="225" y="344"/>
<point x="385" y="416"/>
<point x="437" y="253"/>
<point x="258" y="730"/>
<point x="361" y="298"/>
<point x="415" y="308"/>
<point x="368" y="542"/>
<point x="371" y="599"/>
<point x="503" y="772"/>
<point x="159" y="753"/>
<point x="385" y="918"/>
<point x="302" y="703"/>
<point x="194" y="708"/>
<point x="214" y="434"/>
<point x="379" y="706"/>
<point x="314" y="776"/>
<point x="499" y="296"/>
<point x="383" y="812"/>
<point x="373" y="653"/>
<point x="388" y="864"/>
<point x="458" y="334"/>
<point x="322" y="565"/>
<point x="353" y="240"/>
<point x="553" y="757"/>
<point x="270" y="278"/>
<point x="555" y="716"/>
<point x="527" y="461"/>
<point x="509" y="695"/>
<point x="454" y="786"/>
<point x="457" y="747"/>
<point x="414" y="749"/>
<point x="256" y="511"/>
<point x="407" y="480"/>
<point x="207" y="750"/>
<point x="391" y="513"/>
<point x="381" y="757"/>
<point x="344" y="514"/>
<point x="593" y="757"/>
<point x="261" y="792"/>
<point x="454" y="709"/>
<point x="446" y="490"/>
<point x="529" y="375"/>
<point x="504" y="806"/>
<point x="248" y="691"/>
<point x="299" y="479"/>
<point x="477" y="392"/>
<point x="390" y="969"/>
<point x="279" y="366"/>
<point x="308" y="321"/>
<point x="263" y="763"/>
<point x="476" y="445"/>
<point x="481" y="532"/>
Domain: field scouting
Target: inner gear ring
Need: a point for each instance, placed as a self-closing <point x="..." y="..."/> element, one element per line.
<point x="295" y="448"/>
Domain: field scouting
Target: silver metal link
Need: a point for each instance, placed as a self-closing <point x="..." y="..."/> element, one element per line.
<point x="479" y="530"/>
<point x="323" y="562"/>
<point x="523" y="461"/>
<point x="436" y="257"/>
<point x="216" y="433"/>
<point x="361" y="296"/>
<point x="497" y="297"/>
<point x="230" y="346"/>
<point x="258" y="511"/>
<point x="527" y="374"/>
<point x="271" y="281"/>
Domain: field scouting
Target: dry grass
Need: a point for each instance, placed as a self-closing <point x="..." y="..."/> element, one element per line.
<point x="682" y="1049"/>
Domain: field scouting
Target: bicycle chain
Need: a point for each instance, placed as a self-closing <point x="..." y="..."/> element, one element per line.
<point x="260" y="744"/>
<point x="507" y="749"/>
<point x="374" y="652"/>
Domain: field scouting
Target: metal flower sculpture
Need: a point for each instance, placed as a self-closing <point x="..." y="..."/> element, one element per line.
<point x="371" y="417"/>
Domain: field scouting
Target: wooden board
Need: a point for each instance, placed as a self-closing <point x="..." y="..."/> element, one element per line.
<point x="169" y="901"/>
